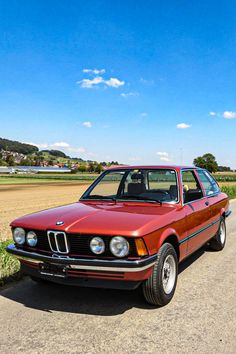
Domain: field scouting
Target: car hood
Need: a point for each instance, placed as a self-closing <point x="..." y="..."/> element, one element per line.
<point x="122" y="218"/>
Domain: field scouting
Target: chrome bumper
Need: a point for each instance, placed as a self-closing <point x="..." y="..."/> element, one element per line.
<point x="119" y="265"/>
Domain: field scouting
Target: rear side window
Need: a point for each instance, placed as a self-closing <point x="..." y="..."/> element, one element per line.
<point x="209" y="184"/>
<point x="191" y="187"/>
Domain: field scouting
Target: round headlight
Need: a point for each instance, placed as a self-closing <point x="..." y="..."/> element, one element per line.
<point x="119" y="246"/>
<point x="19" y="235"/>
<point x="31" y="238"/>
<point x="97" y="245"/>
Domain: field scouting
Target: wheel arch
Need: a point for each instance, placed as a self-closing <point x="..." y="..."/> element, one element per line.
<point x="170" y="236"/>
<point x="222" y="213"/>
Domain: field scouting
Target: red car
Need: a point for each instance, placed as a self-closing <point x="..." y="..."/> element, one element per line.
<point x="131" y="227"/>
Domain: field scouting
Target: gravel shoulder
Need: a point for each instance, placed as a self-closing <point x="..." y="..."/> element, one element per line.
<point x="58" y="319"/>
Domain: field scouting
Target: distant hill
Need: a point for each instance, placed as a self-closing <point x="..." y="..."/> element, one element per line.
<point x="16" y="146"/>
<point x="14" y="153"/>
<point x="56" y="153"/>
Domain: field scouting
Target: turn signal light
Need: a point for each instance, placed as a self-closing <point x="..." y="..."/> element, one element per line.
<point x="140" y="246"/>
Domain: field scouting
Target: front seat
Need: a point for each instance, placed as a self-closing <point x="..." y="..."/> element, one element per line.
<point x="173" y="192"/>
<point x="136" y="188"/>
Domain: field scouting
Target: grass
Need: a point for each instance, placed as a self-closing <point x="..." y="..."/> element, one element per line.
<point x="9" y="266"/>
<point x="230" y="191"/>
<point x="45" y="178"/>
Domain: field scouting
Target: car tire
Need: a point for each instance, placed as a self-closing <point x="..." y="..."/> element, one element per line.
<point x="217" y="243"/>
<point x="160" y="287"/>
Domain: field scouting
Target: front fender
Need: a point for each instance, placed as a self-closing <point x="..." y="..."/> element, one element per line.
<point x="155" y="240"/>
<point x="165" y="234"/>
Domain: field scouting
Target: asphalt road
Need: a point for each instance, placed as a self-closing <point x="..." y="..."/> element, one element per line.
<point x="57" y="319"/>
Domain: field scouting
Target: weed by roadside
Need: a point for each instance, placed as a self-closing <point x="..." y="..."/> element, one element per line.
<point x="230" y="191"/>
<point x="9" y="266"/>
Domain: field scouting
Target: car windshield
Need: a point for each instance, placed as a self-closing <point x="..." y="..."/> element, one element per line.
<point x="151" y="185"/>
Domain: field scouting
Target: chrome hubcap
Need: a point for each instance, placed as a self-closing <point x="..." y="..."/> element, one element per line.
<point x="168" y="274"/>
<point x="222" y="233"/>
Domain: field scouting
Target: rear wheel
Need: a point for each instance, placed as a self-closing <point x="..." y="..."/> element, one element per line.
<point x="217" y="243"/>
<point x="160" y="287"/>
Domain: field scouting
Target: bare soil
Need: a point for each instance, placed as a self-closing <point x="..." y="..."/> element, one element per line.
<point x="18" y="200"/>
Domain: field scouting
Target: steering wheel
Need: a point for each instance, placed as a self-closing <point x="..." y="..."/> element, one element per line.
<point x="161" y="191"/>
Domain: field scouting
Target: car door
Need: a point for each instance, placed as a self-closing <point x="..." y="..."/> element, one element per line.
<point x="212" y="192"/>
<point x="197" y="211"/>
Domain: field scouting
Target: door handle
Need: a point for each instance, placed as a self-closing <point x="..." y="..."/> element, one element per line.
<point x="207" y="203"/>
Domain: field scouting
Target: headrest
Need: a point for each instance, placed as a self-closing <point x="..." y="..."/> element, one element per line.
<point x="137" y="176"/>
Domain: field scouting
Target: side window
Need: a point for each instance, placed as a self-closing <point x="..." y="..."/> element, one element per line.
<point x="191" y="187"/>
<point x="209" y="184"/>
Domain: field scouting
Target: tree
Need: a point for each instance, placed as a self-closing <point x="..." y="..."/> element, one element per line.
<point x="91" y="167"/>
<point x="98" y="168"/>
<point x="16" y="146"/>
<point x="207" y="161"/>
<point x="10" y="160"/>
<point x="3" y="163"/>
<point x="224" y="169"/>
<point x="82" y="168"/>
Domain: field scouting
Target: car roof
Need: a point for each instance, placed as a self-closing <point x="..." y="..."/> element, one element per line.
<point x="175" y="167"/>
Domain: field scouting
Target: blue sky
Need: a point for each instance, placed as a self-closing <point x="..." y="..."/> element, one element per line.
<point x="141" y="82"/>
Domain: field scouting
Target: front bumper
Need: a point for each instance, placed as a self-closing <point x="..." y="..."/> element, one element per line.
<point x="97" y="272"/>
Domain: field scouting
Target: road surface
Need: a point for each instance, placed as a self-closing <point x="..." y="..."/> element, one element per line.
<point x="58" y="319"/>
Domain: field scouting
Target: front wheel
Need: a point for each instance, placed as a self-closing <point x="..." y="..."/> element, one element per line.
<point x="217" y="243"/>
<point x="160" y="287"/>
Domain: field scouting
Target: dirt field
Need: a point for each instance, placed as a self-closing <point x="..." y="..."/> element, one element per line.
<point x="18" y="200"/>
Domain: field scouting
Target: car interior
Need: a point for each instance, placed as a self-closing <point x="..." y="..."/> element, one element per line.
<point x="140" y="186"/>
<point x="191" y="187"/>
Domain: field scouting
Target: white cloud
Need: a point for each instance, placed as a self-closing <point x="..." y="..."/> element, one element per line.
<point x="144" y="114"/>
<point x="163" y="156"/>
<point x="114" y="82"/>
<point x="90" y="83"/>
<point x="229" y="115"/>
<point x="87" y="124"/>
<point x="64" y="146"/>
<point x="146" y="82"/>
<point x="94" y="71"/>
<point x="61" y="144"/>
<point x="212" y="113"/>
<point x="183" y="126"/>
<point x="128" y="94"/>
<point x="40" y="146"/>
<point x="162" y="153"/>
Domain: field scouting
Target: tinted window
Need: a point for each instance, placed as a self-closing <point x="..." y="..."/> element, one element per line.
<point x="209" y="184"/>
<point x="191" y="187"/>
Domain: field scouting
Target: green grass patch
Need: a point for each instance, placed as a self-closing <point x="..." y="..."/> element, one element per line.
<point x="38" y="178"/>
<point x="230" y="191"/>
<point x="225" y="177"/>
<point x="9" y="266"/>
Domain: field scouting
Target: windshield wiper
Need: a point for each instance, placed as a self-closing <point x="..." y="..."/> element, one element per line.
<point x="99" y="197"/>
<point x="137" y="197"/>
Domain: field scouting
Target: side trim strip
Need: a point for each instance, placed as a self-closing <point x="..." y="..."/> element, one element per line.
<point x="198" y="232"/>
